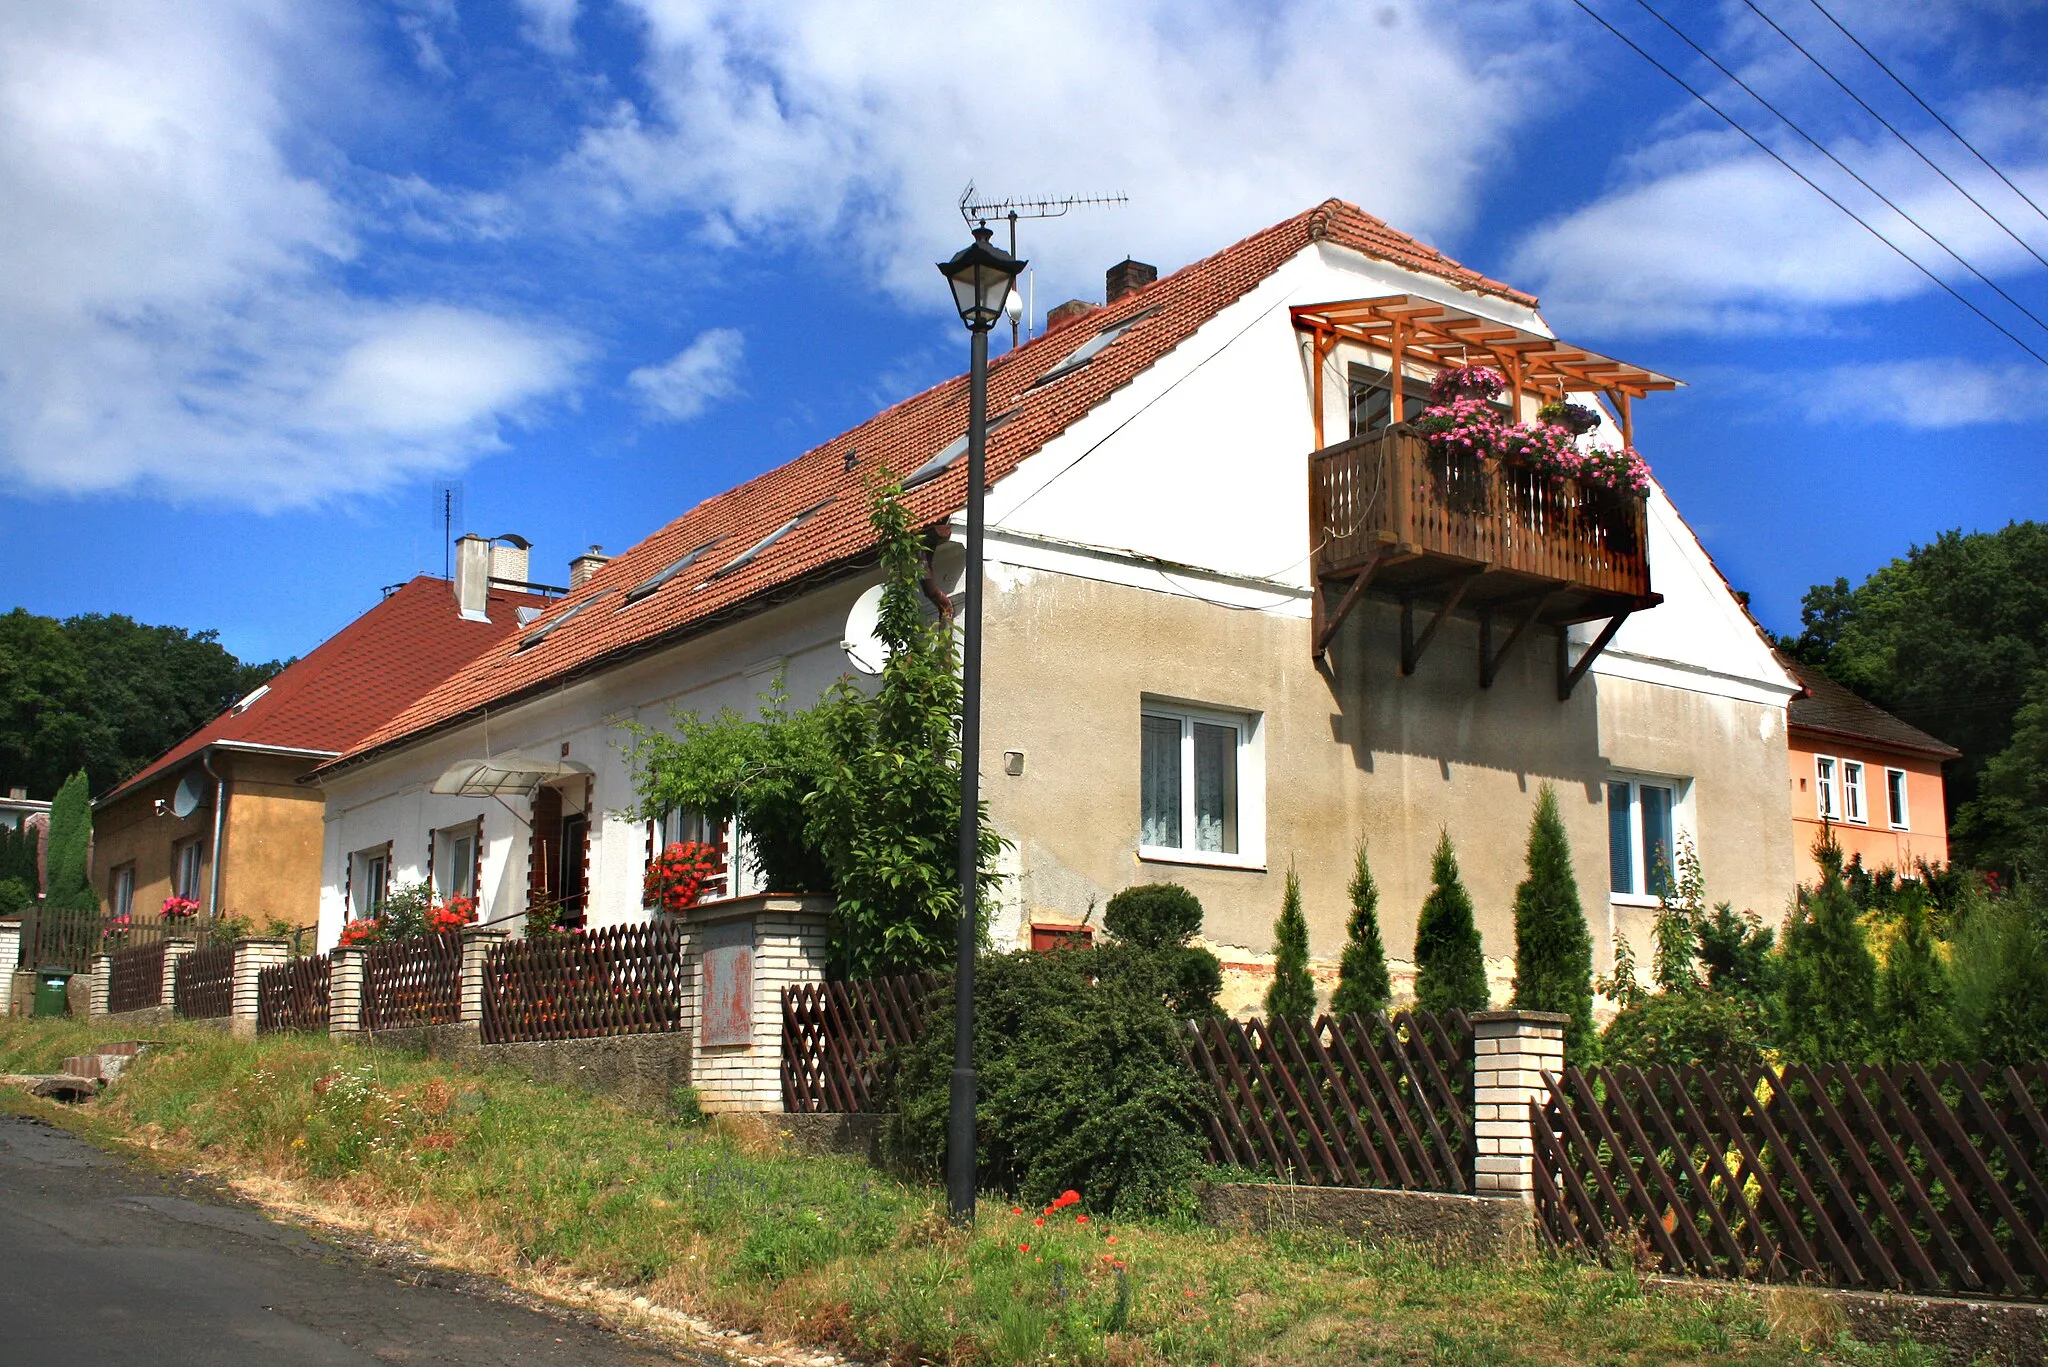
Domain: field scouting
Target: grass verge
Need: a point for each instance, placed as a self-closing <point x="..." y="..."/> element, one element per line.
<point x="490" y="1172"/>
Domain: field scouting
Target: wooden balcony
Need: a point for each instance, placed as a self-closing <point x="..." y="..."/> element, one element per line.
<point x="1517" y="549"/>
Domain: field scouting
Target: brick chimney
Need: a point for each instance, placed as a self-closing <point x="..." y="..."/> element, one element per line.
<point x="587" y="564"/>
<point x="509" y="558"/>
<point x="1127" y="277"/>
<point x="1060" y="315"/>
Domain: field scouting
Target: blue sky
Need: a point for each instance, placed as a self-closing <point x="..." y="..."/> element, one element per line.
<point x="271" y="267"/>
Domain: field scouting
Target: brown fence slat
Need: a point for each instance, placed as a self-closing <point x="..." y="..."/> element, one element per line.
<point x="839" y="1039"/>
<point x="135" y="977"/>
<point x="203" y="984"/>
<point x="627" y="980"/>
<point x="412" y="982"/>
<point x="295" y="995"/>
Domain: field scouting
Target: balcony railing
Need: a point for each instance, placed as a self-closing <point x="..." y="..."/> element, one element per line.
<point x="1385" y="496"/>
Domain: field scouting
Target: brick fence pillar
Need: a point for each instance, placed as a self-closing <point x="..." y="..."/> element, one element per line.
<point x="251" y="958"/>
<point x="1511" y="1051"/>
<point x="477" y="943"/>
<point x="102" y="985"/>
<point x="10" y="961"/>
<point x="174" y="950"/>
<point x="345" y="990"/>
<point x="742" y="953"/>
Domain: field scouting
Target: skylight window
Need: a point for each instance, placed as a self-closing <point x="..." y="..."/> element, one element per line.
<point x="246" y="703"/>
<point x="545" y="629"/>
<point x="653" y="582"/>
<point x="951" y="452"/>
<point x="747" y="556"/>
<point x="1088" y="350"/>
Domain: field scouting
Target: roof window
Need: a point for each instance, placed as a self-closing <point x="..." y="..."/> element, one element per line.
<point x="951" y="452"/>
<point x="1087" y="351"/>
<point x="542" y="632"/>
<point x="653" y="582"/>
<point x="250" y="701"/>
<point x="747" y="556"/>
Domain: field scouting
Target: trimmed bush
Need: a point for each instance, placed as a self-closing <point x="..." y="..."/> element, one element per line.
<point x="1553" y="949"/>
<point x="1363" y="986"/>
<point x="1161" y="918"/>
<point x="1293" y="993"/>
<point x="1680" y="1028"/>
<point x="1082" y="1084"/>
<point x="1450" y="969"/>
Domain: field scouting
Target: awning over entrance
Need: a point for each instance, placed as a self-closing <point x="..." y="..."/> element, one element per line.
<point x="504" y="775"/>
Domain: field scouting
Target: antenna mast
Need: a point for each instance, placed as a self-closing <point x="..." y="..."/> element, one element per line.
<point x="447" y="511"/>
<point x="980" y="211"/>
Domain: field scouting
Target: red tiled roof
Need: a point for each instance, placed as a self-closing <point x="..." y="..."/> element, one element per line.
<point x="1827" y="707"/>
<point x="837" y="537"/>
<point x="360" y="677"/>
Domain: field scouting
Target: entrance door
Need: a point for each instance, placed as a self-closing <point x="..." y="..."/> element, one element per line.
<point x="574" y="846"/>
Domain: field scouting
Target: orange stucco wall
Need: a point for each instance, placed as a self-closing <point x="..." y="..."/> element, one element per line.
<point x="1926" y="833"/>
<point x="273" y="835"/>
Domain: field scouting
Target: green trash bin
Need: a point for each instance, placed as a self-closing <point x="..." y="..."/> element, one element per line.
<point x="52" y="991"/>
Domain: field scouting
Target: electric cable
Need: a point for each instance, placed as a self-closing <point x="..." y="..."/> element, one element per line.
<point x="1901" y="84"/>
<point x="1819" y="147"/>
<point x="1889" y="127"/>
<point x="1770" y="152"/>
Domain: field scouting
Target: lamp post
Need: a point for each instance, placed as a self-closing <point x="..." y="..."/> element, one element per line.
<point x="982" y="276"/>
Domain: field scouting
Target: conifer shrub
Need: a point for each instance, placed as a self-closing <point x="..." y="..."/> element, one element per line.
<point x="1829" y="988"/>
<point x="1450" y="968"/>
<point x="1363" y="986"/>
<point x="2000" y="975"/>
<point x="1915" y="1020"/>
<point x="1293" y="993"/>
<point x="69" y="882"/>
<point x="1553" y="948"/>
<point x="14" y="896"/>
<point x="1161" y="918"/>
<point x="1081" y="1081"/>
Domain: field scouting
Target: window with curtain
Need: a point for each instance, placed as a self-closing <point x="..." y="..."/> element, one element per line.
<point x="1191" y="779"/>
<point x="185" y="862"/>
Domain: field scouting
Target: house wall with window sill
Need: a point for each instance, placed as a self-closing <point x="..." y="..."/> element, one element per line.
<point x="1924" y="834"/>
<point x="1072" y="663"/>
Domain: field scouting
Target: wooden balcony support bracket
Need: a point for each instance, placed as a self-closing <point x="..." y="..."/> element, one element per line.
<point x="1490" y="660"/>
<point x="1569" y="674"/>
<point x="1325" y="627"/>
<point x="1412" y="646"/>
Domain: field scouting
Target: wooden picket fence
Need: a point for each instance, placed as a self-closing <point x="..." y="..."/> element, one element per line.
<point x="1358" y="1101"/>
<point x="413" y="982"/>
<point x="295" y="995"/>
<point x="1917" y="1179"/>
<point x="629" y="980"/>
<point x="838" y="1039"/>
<point x="135" y="977"/>
<point x="203" y="983"/>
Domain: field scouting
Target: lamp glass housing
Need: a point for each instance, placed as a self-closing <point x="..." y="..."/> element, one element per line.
<point x="982" y="275"/>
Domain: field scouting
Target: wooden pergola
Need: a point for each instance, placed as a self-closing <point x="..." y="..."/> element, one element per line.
<point x="1407" y="325"/>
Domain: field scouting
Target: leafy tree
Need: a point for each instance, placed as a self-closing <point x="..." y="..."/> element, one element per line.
<point x="1735" y="949"/>
<point x="19" y="859"/>
<point x="1293" y="993"/>
<point x="1363" y="986"/>
<point x="2006" y="824"/>
<point x="70" y="882"/>
<point x="1162" y="918"/>
<point x="1915" y="1021"/>
<point x="1830" y="980"/>
<point x="1450" y="967"/>
<point x="15" y="897"/>
<point x="1681" y="912"/>
<point x="1948" y="637"/>
<point x="106" y="694"/>
<point x="1553" y="948"/>
<point x="2000" y="977"/>
<point x="1684" y="1028"/>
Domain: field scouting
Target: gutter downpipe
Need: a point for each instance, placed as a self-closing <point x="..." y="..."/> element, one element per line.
<point x="220" y="812"/>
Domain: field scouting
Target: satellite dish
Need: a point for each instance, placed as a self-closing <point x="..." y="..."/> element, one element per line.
<point x="191" y="793"/>
<point x="865" y="650"/>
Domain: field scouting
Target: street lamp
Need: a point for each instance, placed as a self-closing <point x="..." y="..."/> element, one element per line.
<point x="982" y="276"/>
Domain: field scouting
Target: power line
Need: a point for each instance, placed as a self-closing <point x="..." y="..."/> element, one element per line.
<point x="1770" y="152"/>
<point x="1846" y="169"/>
<point x="1890" y="128"/>
<point x="1900" y="82"/>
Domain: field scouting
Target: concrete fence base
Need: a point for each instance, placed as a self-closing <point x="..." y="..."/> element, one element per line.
<point x="1439" y="1223"/>
<point x="643" y="1072"/>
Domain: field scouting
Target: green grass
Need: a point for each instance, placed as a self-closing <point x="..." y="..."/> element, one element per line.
<point x="487" y="1170"/>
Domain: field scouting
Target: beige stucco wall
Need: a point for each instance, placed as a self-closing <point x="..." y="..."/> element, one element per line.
<point x="1353" y="751"/>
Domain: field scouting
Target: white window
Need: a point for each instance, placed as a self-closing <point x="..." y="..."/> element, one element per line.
<point x="1201" y="786"/>
<point x="370" y="879"/>
<point x="679" y="826"/>
<point x="121" y="897"/>
<point x="1642" y="827"/>
<point x="1824" y="788"/>
<point x="1895" y="798"/>
<point x="455" y="861"/>
<point x="1852" y="793"/>
<point x="185" y="870"/>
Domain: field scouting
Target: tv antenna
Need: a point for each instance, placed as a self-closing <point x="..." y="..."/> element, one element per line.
<point x="447" y="511"/>
<point x="980" y="211"/>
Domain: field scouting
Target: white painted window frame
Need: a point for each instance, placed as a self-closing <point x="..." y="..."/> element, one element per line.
<point x="1826" y="768"/>
<point x="1251" y="784"/>
<point x="369" y="882"/>
<point x="1681" y="826"/>
<point x="193" y="850"/>
<point x="121" y="897"/>
<point x="1855" y="793"/>
<point x="1903" y="820"/>
<point x="446" y="841"/>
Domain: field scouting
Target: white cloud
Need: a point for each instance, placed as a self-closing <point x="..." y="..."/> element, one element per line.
<point x="694" y="378"/>
<point x="854" y="124"/>
<point x="1932" y="394"/>
<point x="550" y="25"/>
<point x="172" y="312"/>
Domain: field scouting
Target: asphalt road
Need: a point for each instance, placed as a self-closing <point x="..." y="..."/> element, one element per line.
<point x="104" y="1263"/>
